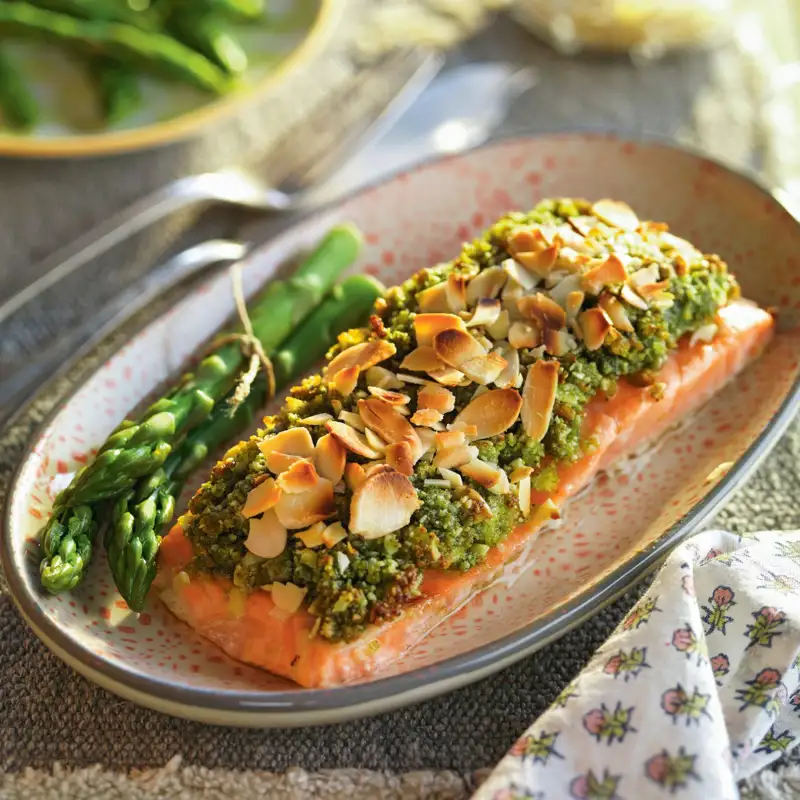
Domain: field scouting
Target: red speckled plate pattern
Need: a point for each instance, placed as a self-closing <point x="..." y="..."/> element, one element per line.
<point x="411" y="221"/>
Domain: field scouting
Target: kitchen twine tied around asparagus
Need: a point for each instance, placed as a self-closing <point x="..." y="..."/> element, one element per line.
<point x="251" y="348"/>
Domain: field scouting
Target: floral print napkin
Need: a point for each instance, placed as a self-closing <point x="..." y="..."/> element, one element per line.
<point x="698" y="688"/>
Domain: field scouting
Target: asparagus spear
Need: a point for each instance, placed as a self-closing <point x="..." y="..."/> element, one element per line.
<point x="138" y="449"/>
<point x="19" y="108"/>
<point x="125" y="42"/>
<point x="241" y="9"/>
<point x="103" y="11"/>
<point x="134" y="535"/>
<point x="207" y="33"/>
<point x="119" y="88"/>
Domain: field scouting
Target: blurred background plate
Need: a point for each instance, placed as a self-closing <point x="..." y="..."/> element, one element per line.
<point x="71" y="124"/>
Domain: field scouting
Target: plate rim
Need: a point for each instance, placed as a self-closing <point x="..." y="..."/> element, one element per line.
<point x="322" y="706"/>
<point x="158" y="134"/>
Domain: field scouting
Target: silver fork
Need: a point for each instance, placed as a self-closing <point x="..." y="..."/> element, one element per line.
<point x="336" y="130"/>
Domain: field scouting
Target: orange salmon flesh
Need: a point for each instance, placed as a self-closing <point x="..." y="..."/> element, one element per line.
<point x="250" y="628"/>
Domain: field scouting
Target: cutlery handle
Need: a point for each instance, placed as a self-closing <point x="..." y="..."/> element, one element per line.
<point x="20" y="380"/>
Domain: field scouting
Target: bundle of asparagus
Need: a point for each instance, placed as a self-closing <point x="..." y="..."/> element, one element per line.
<point x="143" y="464"/>
<point x="189" y="40"/>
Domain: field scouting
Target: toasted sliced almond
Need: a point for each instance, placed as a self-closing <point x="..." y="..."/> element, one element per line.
<point x="354" y="475"/>
<point x="558" y="343"/>
<point x="426" y="326"/>
<point x="562" y="290"/>
<point x="260" y="498"/>
<point x="288" y="597"/>
<point x="333" y="534"/>
<point x="628" y="294"/>
<point x="453" y="478"/>
<point x="456" y="291"/>
<point x="266" y="536"/>
<point x="352" y="419"/>
<point x="479" y="509"/>
<point x="433" y="299"/>
<point x="522" y="335"/>
<point x="447" y="376"/>
<point x="436" y="397"/>
<point x="454" y="347"/>
<point x="427" y="437"/>
<point x="519" y="473"/>
<point x="455" y="456"/>
<point x="487" y="475"/>
<point x="484" y="369"/>
<point x="300" y="477"/>
<point x="540" y="263"/>
<point x="685" y="250"/>
<point x="486" y="312"/>
<point x="385" y="420"/>
<point x="595" y="324"/>
<point x="651" y="291"/>
<point x="423" y="359"/>
<point x="510" y="298"/>
<point x="329" y="458"/>
<point x="526" y="240"/>
<point x="539" y="397"/>
<point x="315" y="419"/>
<point x="312" y="537"/>
<point x="351" y="439"/>
<point x="447" y="439"/>
<point x="280" y="462"/>
<point x="524" y="496"/>
<point x="492" y="413"/>
<point x="426" y="417"/>
<point x="544" y="311"/>
<point x="705" y="334"/>
<point x="573" y="304"/>
<point x="374" y="441"/>
<point x="600" y="275"/>
<point x="508" y="376"/>
<point x="392" y="398"/>
<point x="583" y="225"/>
<point x="645" y="275"/>
<point x="383" y="378"/>
<point x="345" y="380"/>
<point x="499" y="329"/>
<point x="398" y="456"/>
<point x="302" y="509"/>
<point x="616" y="213"/>
<point x="382" y="504"/>
<point x="546" y="512"/>
<point x="293" y="442"/>
<point x="486" y="283"/>
<point x="364" y="356"/>
<point x="414" y="379"/>
<point x="616" y="312"/>
<point x="517" y="276"/>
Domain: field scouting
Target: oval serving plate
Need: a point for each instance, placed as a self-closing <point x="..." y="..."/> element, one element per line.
<point x="612" y="534"/>
<point x="293" y="33"/>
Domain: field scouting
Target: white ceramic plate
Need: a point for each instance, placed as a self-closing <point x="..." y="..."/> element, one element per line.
<point x="613" y="533"/>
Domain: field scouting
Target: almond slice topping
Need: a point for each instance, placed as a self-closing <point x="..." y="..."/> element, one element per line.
<point x="583" y="225"/>
<point x="426" y="417"/>
<point x="652" y="290"/>
<point x="398" y="456"/>
<point x="447" y="439"/>
<point x="508" y="376"/>
<point x="304" y="508"/>
<point x="539" y="397"/>
<point x="478" y="507"/>
<point x="354" y="475"/>
<point x="312" y="537"/>
<point x="427" y="437"/>
<point x="519" y="473"/>
<point x="447" y="376"/>
<point x="363" y="356"/>
<point x="616" y="312"/>
<point x="383" y="378"/>
<point x="333" y="534"/>
<point x="315" y="419"/>
<point x="287" y="596"/>
<point x="351" y="439"/>
<point x="456" y="291"/>
<point x="261" y="498"/>
<point x="628" y="294"/>
<point x="454" y="347"/>
<point x="612" y="270"/>
<point x="436" y="397"/>
<point x="486" y="312"/>
<point x="353" y="420"/>
<point x="521" y="335"/>
<point x="519" y="276"/>
<point x="484" y="369"/>
<point x="426" y="326"/>
<point x="374" y="441"/>
<point x="616" y="213"/>
<point x="487" y="475"/>
<point x="573" y="304"/>
<point x="382" y="504"/>
<point x="280" y="462"/>
<point x="433" y="299"/>
<point x="389" y="424"/>
<point x="544" y="311"/>
<point x="292" y="442"/>
<point x="595" y="324"/>
<point x="266" y="537"/>
<point x="300" y="477"/>
<point x="524" y="496"/>
<point x="492" y="413"/>
<point x="423" y="359"/>
<point x="540" y="263"/>
<point x="455" y="456"/>
<point x="558" y="343"/>
<point x="329" y="458"/>
<point x="486" y="283"/>
<point x="645" y="275"/>
<point x="392" y="398"/>
<point x="345" y="380"/>
<point x="499" y="329"/>
<point x="453" y="478"/>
